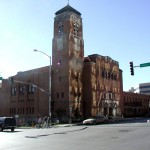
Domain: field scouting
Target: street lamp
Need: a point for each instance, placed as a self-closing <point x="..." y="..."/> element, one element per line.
<point x="49" y="106"/>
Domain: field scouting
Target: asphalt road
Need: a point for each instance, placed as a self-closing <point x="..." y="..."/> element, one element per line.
<point x="127" y="136"/>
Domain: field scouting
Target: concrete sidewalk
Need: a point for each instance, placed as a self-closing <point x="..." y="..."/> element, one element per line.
<point x="52" y="126"/>
<point x="65" y="125"/>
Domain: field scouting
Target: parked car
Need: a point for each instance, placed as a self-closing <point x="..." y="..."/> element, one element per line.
<point x="7" y="123"/>
<point x="96" y="120"/>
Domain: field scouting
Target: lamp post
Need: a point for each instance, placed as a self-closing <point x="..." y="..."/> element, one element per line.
<point x="49" y="105"/>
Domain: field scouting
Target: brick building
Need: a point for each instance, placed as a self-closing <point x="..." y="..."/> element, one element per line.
<point x="67" y="63"/>
<point x="102" y="84"/>
<point x="80" y="86"/>
<point x="22" y="99"/>
<point x="135" y="104"/>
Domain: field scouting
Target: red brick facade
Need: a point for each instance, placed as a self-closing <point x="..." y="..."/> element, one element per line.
<point x="67" y="63"/>
<point x="23" y="100"/>
<point x="80" y="87"/>
<point x="135" y="104"/>
<point x="102" y="84"/>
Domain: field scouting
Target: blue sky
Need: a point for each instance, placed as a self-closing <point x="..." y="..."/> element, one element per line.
<point x="119" y="29"/>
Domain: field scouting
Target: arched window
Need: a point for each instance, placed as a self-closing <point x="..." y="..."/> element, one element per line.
<point x="106" y="75"/>
<point x="103" y="74"/>
<point x="109" y="75"/>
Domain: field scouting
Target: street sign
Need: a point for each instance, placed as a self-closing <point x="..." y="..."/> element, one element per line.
<point x="1" y="78"/>
<point x="145" y="64"/>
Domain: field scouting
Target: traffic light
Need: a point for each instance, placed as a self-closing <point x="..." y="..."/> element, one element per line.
<point x="132" y="68"/>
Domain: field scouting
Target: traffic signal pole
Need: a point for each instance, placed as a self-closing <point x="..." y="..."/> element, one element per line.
<point x="141" y="66"/>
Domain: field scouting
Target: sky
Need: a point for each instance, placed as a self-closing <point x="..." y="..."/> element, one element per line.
<point x="119" y="29"/>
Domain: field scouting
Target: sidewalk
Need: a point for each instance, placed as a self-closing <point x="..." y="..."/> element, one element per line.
<point x="52" y="126"/>
<point x="65" y="125"/>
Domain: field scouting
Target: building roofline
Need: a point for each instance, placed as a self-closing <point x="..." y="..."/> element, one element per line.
<point x="68" y="8"/>
<point x="97" y="55"/>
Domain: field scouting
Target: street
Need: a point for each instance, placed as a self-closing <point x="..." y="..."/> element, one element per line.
<point x="127" y="136"/>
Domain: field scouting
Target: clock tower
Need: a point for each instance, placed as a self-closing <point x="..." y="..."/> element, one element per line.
<point x="67" y="64"/>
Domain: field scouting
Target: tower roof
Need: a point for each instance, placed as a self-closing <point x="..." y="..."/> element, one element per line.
<point x="69" y="9"/>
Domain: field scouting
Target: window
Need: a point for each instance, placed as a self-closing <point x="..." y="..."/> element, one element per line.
<point x="110" y="96"/>
<point x="76" y="29"/>
<point x="32" y="110"/>
<point x="103" y="73"/>
<point x="109" y="74"/>
<point x="57" y="95"/>
<point x="29" y="110"/>
<point x="60" y="29"/>
<point x="106" y="74"/>
<point x="62" y="94"/>
<point x="21" y="90"/>
<point x="31" y="89"/>
<point x="13" y="91"/>
<point x="20" y="110"/>
<point x="112" y="76"/>
<point x="14" y="110"/>
<point x="107" y="95"/>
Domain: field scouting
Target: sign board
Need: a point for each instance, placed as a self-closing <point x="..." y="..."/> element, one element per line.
<point x="145" y="65"/>
<point x="1" y="78"/>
